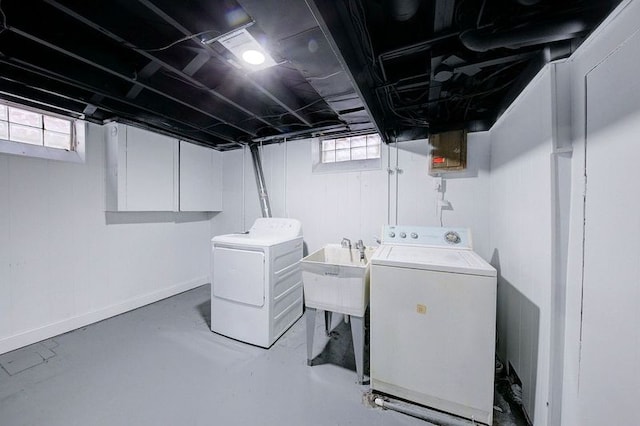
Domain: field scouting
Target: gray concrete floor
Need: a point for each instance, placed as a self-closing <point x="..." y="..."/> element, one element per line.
<point x="161" y="365"/>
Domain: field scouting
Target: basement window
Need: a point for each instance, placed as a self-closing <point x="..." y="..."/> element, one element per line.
<point x="351" y="148"/>
<point x="30" y="132"/>
<point x="361" y="152"/>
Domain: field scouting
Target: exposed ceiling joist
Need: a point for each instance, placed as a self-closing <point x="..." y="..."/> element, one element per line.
<point x="405" y="68"/>
<point x="290" y="109"/>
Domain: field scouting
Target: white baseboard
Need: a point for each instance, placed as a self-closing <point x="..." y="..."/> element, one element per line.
<point x="50" y="330"/>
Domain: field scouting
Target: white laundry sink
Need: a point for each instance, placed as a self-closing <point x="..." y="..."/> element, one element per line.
<point x="336" y="280"/>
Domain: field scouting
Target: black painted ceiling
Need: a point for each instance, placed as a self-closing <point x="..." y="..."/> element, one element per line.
<point x="406" y="68"/>
<point x="430" y="66"/>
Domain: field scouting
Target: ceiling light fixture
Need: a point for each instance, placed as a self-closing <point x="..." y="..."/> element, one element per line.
<point x="246" y="48"/>
<point x="253" y="57"/>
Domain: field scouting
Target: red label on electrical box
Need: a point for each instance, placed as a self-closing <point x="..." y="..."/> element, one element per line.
<point x="438" y="160"/>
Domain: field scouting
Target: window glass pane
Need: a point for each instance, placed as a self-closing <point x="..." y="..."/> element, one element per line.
<point x="25" y="134"/>
<point x="342" y="143"/>
<point x="57" y="140"/>
<point x="359" y="153"/>
<point x="358" y="141"/>
<point x="329" y="157"/>
<point x="328" y="145"/>
<point x="57" y="125"/>
<point x="4" y="130"/>
<point x="27" y="118"/>
<point x="343" y="154"/>
<point x="3" y="112"/>
<point x="373" y="151"/>
<point x="373" y="139"/>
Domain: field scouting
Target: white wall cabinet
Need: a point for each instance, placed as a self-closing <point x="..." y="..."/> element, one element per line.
<point x="141" y="170"/>
<point x="200" y="178"/>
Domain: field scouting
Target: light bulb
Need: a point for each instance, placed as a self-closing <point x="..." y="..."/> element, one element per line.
<point x="253" y="57"/>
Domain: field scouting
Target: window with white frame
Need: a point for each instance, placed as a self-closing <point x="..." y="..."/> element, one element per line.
<point x="30" y="132"/>
<point x="362" y="147"/>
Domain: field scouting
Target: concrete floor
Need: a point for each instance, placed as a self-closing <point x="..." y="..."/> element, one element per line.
<point x="161" y="365"/>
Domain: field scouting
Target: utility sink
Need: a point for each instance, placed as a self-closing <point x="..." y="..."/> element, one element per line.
<point x="336" y="280"/>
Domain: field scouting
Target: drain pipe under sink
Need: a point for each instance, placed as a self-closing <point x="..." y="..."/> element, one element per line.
<point x="431" y="416"/>
<point x="262" y="187"/>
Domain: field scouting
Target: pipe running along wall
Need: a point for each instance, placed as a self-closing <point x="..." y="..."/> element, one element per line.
<point x="530" y="34"/>
<point x="262" y="187"/>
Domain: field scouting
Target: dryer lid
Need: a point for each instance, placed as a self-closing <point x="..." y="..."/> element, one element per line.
<point x="280" y="227"/>
<point x="264" y="232"/>
<point x="433" y="259"/>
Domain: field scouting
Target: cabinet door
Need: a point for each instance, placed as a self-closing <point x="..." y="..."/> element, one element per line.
<point x="200" y="178"/>
<point x="150" y="164"/>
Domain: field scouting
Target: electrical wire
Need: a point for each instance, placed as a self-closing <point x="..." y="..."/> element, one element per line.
<point x="406" y="119"/>
<point x="286" y="211"/>
<point x="506" y="67"/>
<point x="410" y="100"/>
<point x="189" y="37"/>
<point x="395" y="137"/>
<point x="172" y="75"/>
<point x="325" y="77"/>
<point x="484" y="3"/>
<point x="358" y="18"/>
<point x="4" y="19"/>
<point x="366" y="33"/>
<point x="310" y="104"/>
<point x="244" y="154"/>
<point x="388" y="183"/>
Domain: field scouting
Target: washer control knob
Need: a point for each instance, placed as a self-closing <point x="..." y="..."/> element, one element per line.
<point x="403" y="235"/>
<point x="452" y="237"/>
<point x="392" y="234"/>
<point x="414" y="235"/>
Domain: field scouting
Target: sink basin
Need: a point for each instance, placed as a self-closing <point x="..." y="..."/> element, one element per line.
<point x="336" y="280"/>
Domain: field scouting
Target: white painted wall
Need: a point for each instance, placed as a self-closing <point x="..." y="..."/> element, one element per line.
<point x="356" y="204"/>
<point x="601" y="345"/>
<point x="611" y="284"/>
<point x="520" y="235"/>
<point x="566" y="321"/>
<point x="65" y="263"/>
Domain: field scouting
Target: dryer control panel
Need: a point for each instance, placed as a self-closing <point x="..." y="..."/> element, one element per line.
<point x="431" y="236"/>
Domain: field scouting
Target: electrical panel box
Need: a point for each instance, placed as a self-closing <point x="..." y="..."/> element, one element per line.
<point x="449" y="153"/>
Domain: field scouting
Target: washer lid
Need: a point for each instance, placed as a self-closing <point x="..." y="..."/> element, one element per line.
<point x="433" y="259"/>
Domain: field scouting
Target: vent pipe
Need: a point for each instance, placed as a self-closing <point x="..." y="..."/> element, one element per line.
<point x="530" y="34"/>
<point x="403" y="10"/>
<point x="262" y="187"/>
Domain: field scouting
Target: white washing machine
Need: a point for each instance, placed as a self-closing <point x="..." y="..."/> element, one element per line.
<point x="256" y="289"/>
<point x="433" y="317"/>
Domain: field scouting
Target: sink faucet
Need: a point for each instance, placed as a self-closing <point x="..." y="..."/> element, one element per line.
<point x="346" y="243"/>
<point x="360" y="246"/>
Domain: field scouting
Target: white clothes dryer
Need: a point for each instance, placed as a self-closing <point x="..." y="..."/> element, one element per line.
<point x="433" y="318"/>
<point x="256" y="289"/>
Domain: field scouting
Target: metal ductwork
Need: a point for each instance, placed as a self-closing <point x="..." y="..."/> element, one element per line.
<point x="403" y="10"/>
<point x="262" y="187"/>
<point x="527" y="2"/>
<point x="529" y="34"/>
